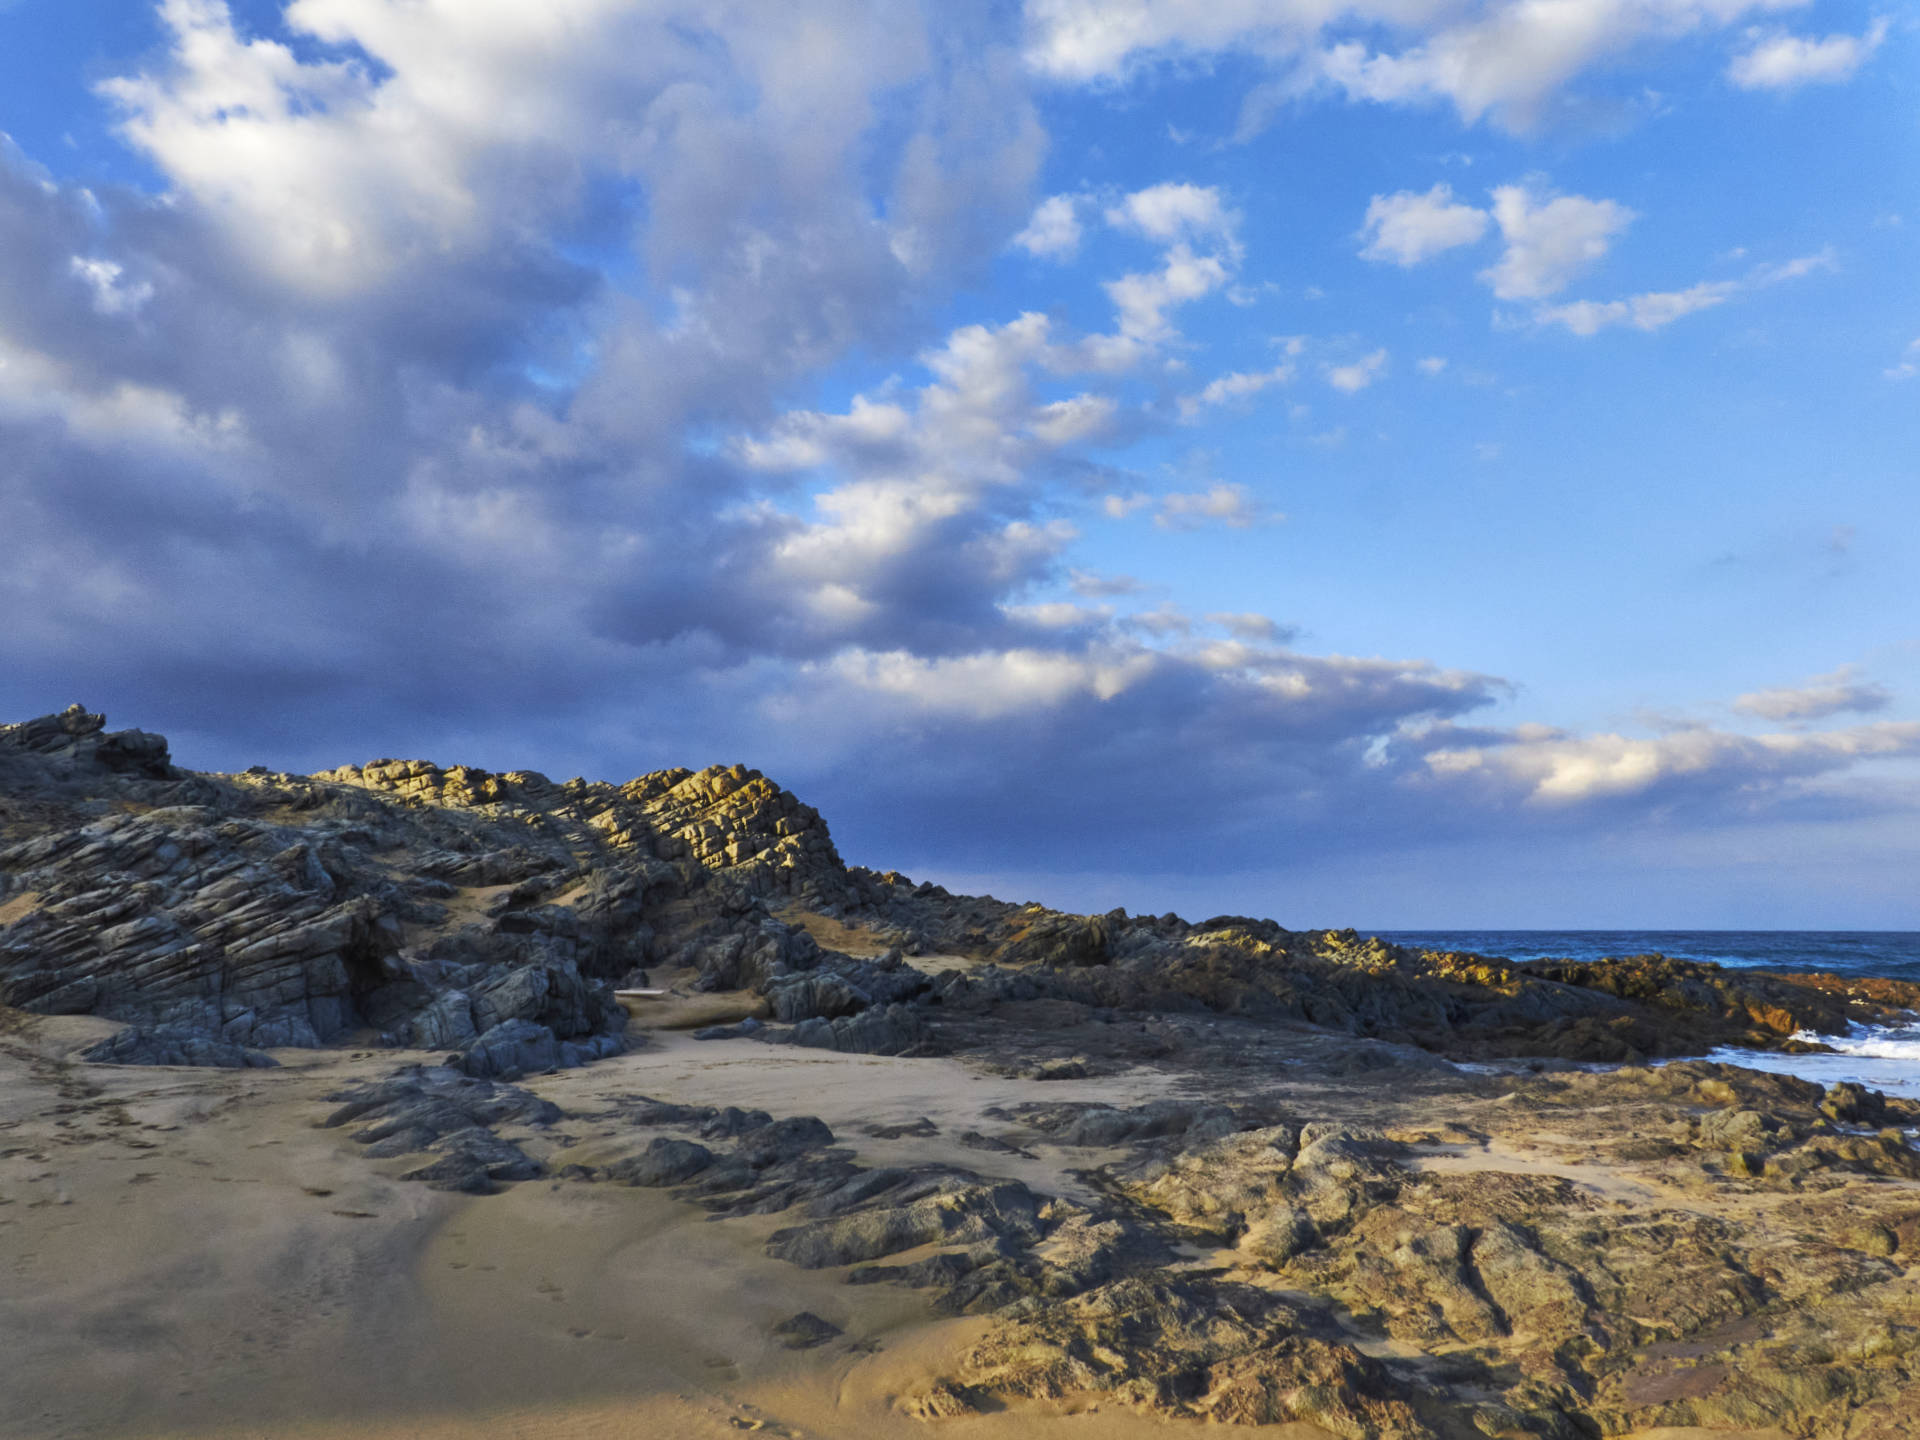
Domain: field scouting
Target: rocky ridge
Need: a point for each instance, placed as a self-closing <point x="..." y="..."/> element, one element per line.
<point x="1288" y="1238"/>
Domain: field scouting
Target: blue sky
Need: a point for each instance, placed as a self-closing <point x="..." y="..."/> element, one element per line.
<point x="1408" y="463"/>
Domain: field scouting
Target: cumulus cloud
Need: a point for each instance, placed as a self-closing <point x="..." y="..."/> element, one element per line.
<point x="1177" y="212"/>
<point x="1054" y="231"/>
<point x="1407" y="227"/>
<point x="347" y="439"/>
<point x="1504" y="59"/>
<point x="1553" y="770"/>
<point x="1838" y="692"/>
<point x="1908" y="365"/>
<point x="1360" y="374"/>
<point x="1233" y="506"/>
<point x="1549" y="239"/>
<point x="1238" y="385"/>
<point x="1430" y="364"/>
<point x="1778" y="61"/>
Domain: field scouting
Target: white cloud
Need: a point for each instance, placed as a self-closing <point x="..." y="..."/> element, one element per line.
<point x="1786" y="62"/>
<point x="1071" y="421"/>
<point x="1163" y="622"/>
<point x="1054" y="231"/>
<point x="992" y="684"/>
<point x="1409" y="226"/>
<point x="1177" y="212"/>
<point x="1119" y="507"/>
<point x="1549" y="769"/>
<point x="805" y="439"/>
<point x="1058" y="614"/>
<point x="1908" y="365"/>
<point x="1247" y="625"/>
<point x="1143" y="299"/>
<point x="1094" y="586"/>
<point x="1499" y="58"/>
<point x="1238" y="385"/>
<point x="1549" y="240"/>
<point x="1836" y="693"/>
<point x="1660" y="308"/>
<point x="1233" y="506"/>
<point x="1430" y="364"/>
<point x="385" y="425"/>
<point x="110" y="296"/>
<point x="1360" y="374"/>
<point x="1795" y="269"/>
<point x="1643" y="312"/>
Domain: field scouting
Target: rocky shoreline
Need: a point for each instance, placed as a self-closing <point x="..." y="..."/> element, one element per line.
<point x="1214" y="1171"/>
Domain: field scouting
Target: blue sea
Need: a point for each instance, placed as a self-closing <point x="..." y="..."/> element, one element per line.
<point x="1886" y="1058"/>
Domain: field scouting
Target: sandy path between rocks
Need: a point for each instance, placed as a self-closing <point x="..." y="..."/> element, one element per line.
<point x="183" y="1253"/>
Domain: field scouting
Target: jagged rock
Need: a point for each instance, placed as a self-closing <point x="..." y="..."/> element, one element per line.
<point x="520" y="1047"/>
<point x="774" y="1141"/>
<point x="888" y="1030"/>
<point x="252" y="909"/>
<point x="451" y="1116"/>
<point x="512" y="1048"/>
<point x="664" y="1162"/>
<point x="1196" y="1347"/>
<point x="445" y="1024"/>
<point x="954" y="1210"/>
<point x="162" y="1046"/>
<point x="1852" y="1104"/>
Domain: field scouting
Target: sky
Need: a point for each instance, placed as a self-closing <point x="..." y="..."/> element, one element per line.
<point x="1399" y="463"/>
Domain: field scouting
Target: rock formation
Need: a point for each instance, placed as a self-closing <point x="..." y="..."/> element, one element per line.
<point x="1326" y="1220"/>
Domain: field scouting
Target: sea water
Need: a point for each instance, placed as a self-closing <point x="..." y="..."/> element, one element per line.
<point x="1884" y="1057"/>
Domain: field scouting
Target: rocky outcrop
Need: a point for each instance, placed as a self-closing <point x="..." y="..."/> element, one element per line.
<point x="163" y="1045"/>
<point x="396" y="902"/>
<point x="1318" y="1220"/>
<point x="447" y="1121"/>
<point x="452" y="908"/>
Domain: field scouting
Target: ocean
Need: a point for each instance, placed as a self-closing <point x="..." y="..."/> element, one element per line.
<point x="1886" y="1058"/>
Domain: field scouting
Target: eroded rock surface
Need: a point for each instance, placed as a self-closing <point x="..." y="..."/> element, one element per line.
<point x="1320" y="1217"/>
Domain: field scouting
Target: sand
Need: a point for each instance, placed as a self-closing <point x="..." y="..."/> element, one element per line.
<point x="185" y="1253"/>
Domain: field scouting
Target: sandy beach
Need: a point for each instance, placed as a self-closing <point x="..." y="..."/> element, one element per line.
<point x="188" y="1254"/>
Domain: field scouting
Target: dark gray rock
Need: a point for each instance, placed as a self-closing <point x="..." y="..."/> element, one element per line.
<point x="664" y="1162"/>
<point x="770" y="1144"/>
<point x="450" y="1116"/>
<point x="512" y="1048"/>
<point x="165" y="1046"/>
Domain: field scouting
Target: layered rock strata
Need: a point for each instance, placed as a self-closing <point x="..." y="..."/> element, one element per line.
<point x="1324" y="1218"/>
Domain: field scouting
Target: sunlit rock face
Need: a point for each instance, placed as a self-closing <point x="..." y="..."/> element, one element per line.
<point x="428" y="906"/>
<point x="406" y="903"/>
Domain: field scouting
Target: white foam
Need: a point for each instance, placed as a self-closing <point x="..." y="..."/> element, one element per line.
<point x="1879" y="1057"/>
<point x="1876" y="1043"/>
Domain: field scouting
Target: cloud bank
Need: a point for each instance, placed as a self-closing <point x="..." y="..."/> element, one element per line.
<point x="446" y="400"/>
